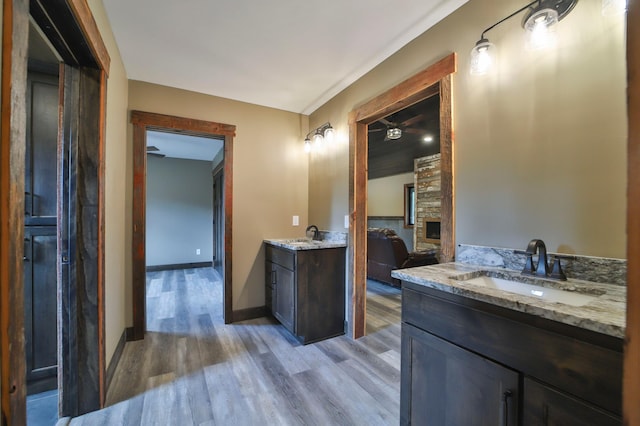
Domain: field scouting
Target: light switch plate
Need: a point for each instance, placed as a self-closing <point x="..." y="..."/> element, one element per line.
<point x="296" y="220"/>
<point x="346" y="221"/>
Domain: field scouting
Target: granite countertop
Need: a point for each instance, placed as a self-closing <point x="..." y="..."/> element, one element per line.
<point x="304" y="243"/>
<point x="605" y="314"/>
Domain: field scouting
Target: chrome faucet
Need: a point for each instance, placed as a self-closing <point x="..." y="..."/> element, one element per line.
<point x="538" y="247"/>
<point x="314" y="232"/>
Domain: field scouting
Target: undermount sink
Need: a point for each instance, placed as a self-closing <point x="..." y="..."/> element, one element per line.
<point x="566" y="293"/>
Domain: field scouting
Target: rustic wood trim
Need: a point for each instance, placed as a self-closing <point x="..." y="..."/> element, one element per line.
<point x="250" y="313"/>
<point x="447" y="175"/>
<point x="102" y="127"/>
<point x="434" y="79"/>
<point x="174" y="266"/>
<point x="410" y="91"/>
<point x="91" y="33"/>
<point x="15" y="17"/>
<point x="631" y="385"/>
<point x="228" y="227"/>
<point x="189" y="126"/>
<point x="143" y="121"/>
<point x="138" y="234"/>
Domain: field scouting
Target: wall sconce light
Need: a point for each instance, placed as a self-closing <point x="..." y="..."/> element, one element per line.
<point x="539" y="21"/>
<point x="318" y="135"/>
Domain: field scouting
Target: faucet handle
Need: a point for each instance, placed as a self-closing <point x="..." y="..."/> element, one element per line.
<point x="529" y="269"/>
<point x="556" y="270"/>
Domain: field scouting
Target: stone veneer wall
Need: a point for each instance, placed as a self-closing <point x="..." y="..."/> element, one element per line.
<point x="428" y="199"/>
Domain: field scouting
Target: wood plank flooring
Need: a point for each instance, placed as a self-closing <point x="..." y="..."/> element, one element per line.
<point x="192" y="369"/>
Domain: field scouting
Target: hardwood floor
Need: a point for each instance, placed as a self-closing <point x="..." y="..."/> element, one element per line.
<point x="192" y="369"/>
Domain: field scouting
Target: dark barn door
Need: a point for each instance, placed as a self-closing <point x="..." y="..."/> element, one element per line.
<point x="40" y="276"/>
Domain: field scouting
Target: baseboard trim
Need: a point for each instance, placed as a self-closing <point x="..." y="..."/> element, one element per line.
<point x="156" y="268"/>
<point x="115" y="359"/>
<point x="249" y="313"/>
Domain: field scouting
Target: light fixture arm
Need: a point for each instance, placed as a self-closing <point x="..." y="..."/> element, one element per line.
<point x="522" y="9"/>
<point x="321" y="129"/>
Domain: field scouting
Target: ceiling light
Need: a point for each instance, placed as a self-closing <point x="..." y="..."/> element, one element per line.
<point x="394" y="133"/>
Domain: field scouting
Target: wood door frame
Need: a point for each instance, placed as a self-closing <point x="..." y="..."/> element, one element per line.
<point x="143" y="121"/>
<point x="73" y="28"/>
<point x="631" y="377"/>
<point x="434" y="79"/>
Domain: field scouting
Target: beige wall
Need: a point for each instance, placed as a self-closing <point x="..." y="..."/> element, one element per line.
<point x="539" y="144"/>
<point x="115" y="186"/>
<point x="385" y="195"/>
<point x="270" y="171"/>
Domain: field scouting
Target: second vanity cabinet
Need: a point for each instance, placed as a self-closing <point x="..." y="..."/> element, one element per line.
<point x="305" y="291"/>
<point x="474" y="363"/>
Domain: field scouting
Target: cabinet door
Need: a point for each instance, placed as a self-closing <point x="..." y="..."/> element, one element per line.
<point x="40" y="302"/>
<point x="546" y="406"/>
<point x="443" y="384"/>
<point x="284" y="300"/>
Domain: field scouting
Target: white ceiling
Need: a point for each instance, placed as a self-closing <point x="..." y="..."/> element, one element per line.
<point x="288" y="54"/>
<point x="175" y="145"/>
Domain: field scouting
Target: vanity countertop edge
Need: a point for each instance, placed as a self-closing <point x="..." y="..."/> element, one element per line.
<point x="606" y="314"/>
<point x="302" y="244"/>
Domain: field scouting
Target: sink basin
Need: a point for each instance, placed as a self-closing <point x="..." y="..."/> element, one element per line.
<point x="531" y="287"/>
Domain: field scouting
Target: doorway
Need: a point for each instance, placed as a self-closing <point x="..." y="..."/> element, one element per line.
<point x="70" y="30"/>
<point x="142" y="123"/>
<point x="434" y="79"/>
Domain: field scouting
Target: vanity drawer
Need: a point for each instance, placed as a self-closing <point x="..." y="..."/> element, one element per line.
<point x="282" y="257"/>
<point x="583" y="363"/>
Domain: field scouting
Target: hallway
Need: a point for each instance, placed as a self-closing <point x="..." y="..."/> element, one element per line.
<point x="193" y="369"/>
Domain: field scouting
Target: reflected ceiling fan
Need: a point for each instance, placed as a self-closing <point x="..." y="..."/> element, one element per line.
<point x="394" y="131"/>
<point x="153" y="150"/>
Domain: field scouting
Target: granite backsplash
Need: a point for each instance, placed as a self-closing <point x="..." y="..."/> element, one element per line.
<point x="588" y="268"/>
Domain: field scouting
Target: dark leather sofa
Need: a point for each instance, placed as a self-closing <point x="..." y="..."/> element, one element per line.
<point x="386" y="251"/>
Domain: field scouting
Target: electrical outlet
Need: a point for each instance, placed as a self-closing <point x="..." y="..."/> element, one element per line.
<point x="296" y="220"/>
<point x="198" y="252"/>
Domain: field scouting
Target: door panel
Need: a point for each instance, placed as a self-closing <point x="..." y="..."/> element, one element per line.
<point x="41" y="149"/>
<point x="40" y="280"/>
<point x="41" y="240"/>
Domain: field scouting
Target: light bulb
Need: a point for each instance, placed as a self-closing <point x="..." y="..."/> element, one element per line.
<point x="428" y="139"/>
<point x="328" y="133"/>
<point x="307" y="145"/>
<point x="317" y="138"/>
<point x="541" y="27"/>
<point x="482" y="57"/>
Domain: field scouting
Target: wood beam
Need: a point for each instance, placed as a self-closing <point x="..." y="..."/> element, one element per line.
<point x="631" y="385"/>
<point x="15" y="26"/>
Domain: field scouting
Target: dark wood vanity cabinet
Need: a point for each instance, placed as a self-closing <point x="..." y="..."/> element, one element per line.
<point x="474" y="363"/>
<point x="443" y="384"/>
<point x="305" y="291"/>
